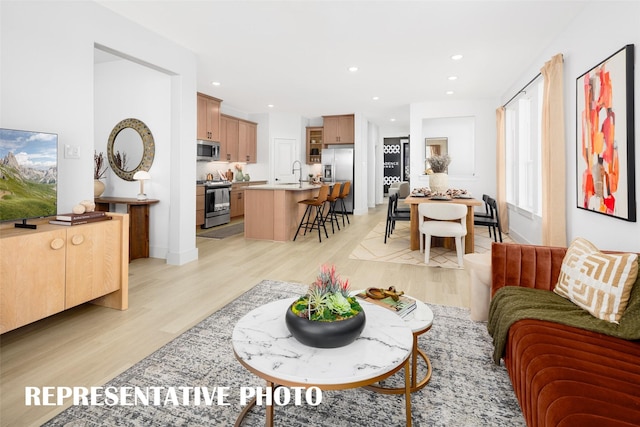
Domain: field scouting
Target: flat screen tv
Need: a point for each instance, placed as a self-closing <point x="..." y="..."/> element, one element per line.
<point x="28" y="175"/>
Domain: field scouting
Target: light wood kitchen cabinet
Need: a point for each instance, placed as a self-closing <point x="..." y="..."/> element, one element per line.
<point x="208" y="117"/>
<point x="53" y="268"/>
<point x="236" y="197"/>
<point x="247" y="148"/>
<point x="314" y="144"/>
<point x="238" y="141"/>
<point x="199" y="205"/>
<point x="230" y="134"/>
<point x="237" y="202"/>
<point x="339" y="129"/>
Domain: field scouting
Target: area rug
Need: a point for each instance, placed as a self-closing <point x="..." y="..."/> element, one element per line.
<point x="224" y="232"/>
<point x="466" y="387"/>
<point x="397" y="249"/>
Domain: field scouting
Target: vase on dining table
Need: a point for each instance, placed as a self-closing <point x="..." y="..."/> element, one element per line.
<point x="439" y="182"/>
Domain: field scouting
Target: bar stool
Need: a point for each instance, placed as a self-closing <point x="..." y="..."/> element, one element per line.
<point x="346" y="187"/>
<point x="332" y="199"/>
<point x="318" y="221"/>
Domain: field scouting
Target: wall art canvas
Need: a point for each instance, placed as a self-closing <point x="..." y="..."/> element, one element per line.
<point x="605" y="137"/>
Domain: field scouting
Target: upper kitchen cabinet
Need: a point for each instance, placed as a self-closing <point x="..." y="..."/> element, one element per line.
<point x="338" y="129"/>
<point x="238" y="140"/>
<point x="314" y="145"/>
<point x="247" y="147"/>
<point x="208" y="118"/>
<point x="229" y="137"/>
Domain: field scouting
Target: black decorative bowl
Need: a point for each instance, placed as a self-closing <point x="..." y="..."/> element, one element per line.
<point x="325" y="334"/>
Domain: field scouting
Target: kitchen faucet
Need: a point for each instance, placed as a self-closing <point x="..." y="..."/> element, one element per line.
<point x="293" y="170"/>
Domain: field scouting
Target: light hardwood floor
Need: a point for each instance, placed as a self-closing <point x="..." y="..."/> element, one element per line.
<point x="88" y="345"/>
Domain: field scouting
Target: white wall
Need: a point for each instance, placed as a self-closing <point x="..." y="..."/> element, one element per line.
<point x="124" y="89"/>
<point x="583" y="48"/>
<point x="473" y="145"/>
<point x="47" y="83"/>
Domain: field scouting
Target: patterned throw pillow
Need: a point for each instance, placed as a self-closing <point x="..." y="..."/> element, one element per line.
<point x="598" y="282"/>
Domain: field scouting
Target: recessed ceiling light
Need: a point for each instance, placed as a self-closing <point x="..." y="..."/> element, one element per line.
<point x="449" y="92"/>
<point x="456" y="57"/>
<point x="215" y="83"/>
<point x="353" y="69"/>
<point x="453" y="78"/>
<point x="270" y="105"/>
<point x="393" y="120"/>
<point x="375" y="98"/>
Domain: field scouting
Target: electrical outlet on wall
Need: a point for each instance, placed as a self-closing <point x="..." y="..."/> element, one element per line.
<point x="71" y="151"/>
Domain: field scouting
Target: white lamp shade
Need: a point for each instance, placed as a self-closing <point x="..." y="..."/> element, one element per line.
<point x="141" y="175"/>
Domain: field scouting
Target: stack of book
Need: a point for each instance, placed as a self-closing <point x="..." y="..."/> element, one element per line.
<point x="77" y="219"/>
<point x="403" y="306"/>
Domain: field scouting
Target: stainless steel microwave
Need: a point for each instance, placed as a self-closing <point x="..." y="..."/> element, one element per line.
<point x="208" y="151"/>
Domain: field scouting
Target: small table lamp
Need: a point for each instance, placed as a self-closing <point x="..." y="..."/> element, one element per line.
<point x="142" y="176"/>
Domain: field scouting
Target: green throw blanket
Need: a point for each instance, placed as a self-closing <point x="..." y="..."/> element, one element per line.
<point x="513" y="303"/>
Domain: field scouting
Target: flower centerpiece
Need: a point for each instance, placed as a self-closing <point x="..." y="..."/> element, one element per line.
<point x="438" y="178"/>
<point x="327" y="316"/>
<point x="439" y="163"/>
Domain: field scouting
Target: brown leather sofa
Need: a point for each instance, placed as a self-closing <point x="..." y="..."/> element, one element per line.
<point x="563" y="375"/>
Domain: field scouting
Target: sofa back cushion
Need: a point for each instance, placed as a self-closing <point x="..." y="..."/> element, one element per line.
<point x="597" y="282"/>
<point x="527" y="266"/>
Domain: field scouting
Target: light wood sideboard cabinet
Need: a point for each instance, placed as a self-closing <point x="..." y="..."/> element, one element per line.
<point x="208" y="110"/>
<point x="339" y="129"/>
<point x="53" y="268"/>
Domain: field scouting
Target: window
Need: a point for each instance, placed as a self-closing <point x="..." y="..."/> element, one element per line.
<point x="523" y="121"/>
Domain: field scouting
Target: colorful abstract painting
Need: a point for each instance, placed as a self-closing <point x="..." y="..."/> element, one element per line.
<point x="605" y="137"/>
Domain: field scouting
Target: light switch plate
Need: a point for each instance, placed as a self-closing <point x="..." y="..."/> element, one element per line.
<point x="71" y="152"/>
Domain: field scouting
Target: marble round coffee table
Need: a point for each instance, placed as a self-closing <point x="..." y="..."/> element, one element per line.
<point x="420" y="321"/>
<point x="263" y="344"/>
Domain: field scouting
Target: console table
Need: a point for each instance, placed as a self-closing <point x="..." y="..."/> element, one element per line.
<point x="138" y="211"/>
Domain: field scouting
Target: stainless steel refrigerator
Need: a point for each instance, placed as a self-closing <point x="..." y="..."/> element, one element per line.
<point x="337" y="166"/>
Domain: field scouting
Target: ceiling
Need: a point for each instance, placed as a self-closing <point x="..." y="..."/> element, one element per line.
<point x="295" y="55"/>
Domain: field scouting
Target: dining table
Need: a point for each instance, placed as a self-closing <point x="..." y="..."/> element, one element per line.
<point x="413" y="201"/>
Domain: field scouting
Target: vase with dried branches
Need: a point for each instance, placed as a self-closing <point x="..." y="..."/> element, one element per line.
<point x="438" y="178"/>
<point x="99" y="169"/>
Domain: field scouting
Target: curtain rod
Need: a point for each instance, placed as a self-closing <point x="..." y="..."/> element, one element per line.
<point x="522" y="90"/>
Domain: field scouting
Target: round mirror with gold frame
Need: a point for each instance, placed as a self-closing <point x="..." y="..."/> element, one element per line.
<point x="130" y="148"/>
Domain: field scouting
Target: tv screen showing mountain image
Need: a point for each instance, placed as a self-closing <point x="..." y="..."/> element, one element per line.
<point x="28" y="175"/>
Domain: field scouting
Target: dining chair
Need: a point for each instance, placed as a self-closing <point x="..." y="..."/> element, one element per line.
<point x="442" y="220"/>
<point x="486" y="214"/>
<point x="394" y="215"/>
<point x="492" y="221"/>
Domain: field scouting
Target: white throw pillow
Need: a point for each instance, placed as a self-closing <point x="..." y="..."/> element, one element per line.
<point x="598" y="282"/>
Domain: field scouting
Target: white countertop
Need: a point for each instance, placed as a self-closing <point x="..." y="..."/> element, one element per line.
<point x="263" y="342"/>
<point x="295" y="186"/>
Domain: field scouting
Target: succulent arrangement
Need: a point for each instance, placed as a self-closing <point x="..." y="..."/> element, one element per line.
<point x="328" y="299"/>
<point x="439" y="163"/>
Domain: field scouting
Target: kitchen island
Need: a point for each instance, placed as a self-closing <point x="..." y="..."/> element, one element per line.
<point x="272" y="211"/>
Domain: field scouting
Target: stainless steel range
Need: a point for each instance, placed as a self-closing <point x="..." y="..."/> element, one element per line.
<point x="217" y="209"/>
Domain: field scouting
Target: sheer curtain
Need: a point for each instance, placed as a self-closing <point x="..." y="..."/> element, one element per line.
<point x="501" y="163"/>
<point x="553" y="155"/>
